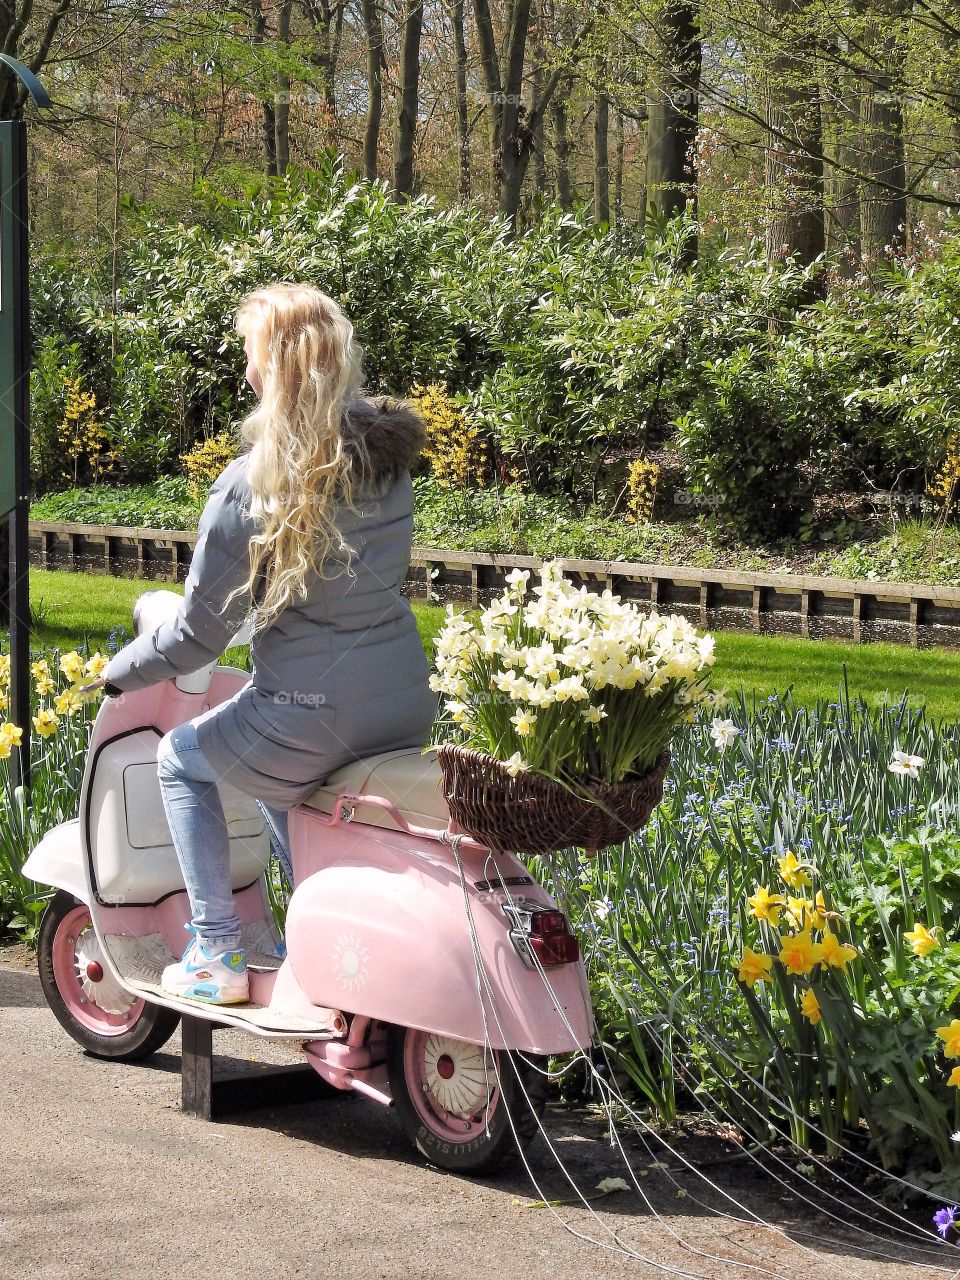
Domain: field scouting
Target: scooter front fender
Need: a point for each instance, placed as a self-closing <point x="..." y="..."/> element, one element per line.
<point x="382" y="931"/>
<point x="57" y="860"/>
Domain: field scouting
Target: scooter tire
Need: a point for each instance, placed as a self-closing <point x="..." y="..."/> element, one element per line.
<point x="147" y="1026"/>
<point x="521" y="1097"/>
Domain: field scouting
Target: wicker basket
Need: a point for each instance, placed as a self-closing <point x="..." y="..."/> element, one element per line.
<point x="532" y="814"/>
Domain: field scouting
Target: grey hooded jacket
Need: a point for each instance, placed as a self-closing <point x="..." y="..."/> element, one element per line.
<point x="339" y="675"/>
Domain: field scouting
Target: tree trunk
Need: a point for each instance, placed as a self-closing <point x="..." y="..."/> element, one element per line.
<point x="268" y="117"/>
<point x="463" y="127"/>
<point x="406" y="138"/>
<point x="601" y="151"/>
<point x="537" y="139"/>
<point x="793" y="175"/>
<point x="323" y="56"/>
<point x="672" y="115"/>
<point x="842" y="212"/>
<point x="282" y="123"/>
<point x="515" y="135"/>
<point x="490" y="65"/>
<point x="618" y="170"/>
<point x="561" y="147"/>
<point x="375" y="65"/>
<point x="883" y="212"/>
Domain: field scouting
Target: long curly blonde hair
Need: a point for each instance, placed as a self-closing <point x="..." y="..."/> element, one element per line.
<point x="299" y="470"/>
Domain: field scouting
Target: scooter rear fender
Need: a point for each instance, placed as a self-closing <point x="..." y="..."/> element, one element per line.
<point x="58" y="860"/>
<point x="378" y="925"/>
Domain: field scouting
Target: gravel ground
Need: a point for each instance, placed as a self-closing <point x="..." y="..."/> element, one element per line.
<point x="104" y="1177"/>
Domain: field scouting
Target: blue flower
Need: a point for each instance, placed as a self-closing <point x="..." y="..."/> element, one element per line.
<point x="944" y="1219"/>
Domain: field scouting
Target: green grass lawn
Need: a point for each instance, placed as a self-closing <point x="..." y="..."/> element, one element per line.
<point x="76" y="609"/>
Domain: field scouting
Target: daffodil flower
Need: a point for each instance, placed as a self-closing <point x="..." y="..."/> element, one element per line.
<point x="799" y="953"/>
<point x="834" y="953"/>
<point x="922" y="940"/>
<point x="766" y="905"/>
<point x="951" y="1038"/>
<point x="793" y="871"/>
<point x="753" y="967"/>
<point x="810" y="1006"/>
<point x="905" y="764"/>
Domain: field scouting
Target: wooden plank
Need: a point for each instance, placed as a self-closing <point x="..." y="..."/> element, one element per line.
<point x="790" y="582"/>
<point x="758" y="603"/>
<point x="805" y="613"/>
<point x="858" y="617"/>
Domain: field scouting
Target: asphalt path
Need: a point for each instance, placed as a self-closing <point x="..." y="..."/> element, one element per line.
<point x="102" y="1176"/>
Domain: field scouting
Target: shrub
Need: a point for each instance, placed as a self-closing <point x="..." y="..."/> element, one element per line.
<point x="205" y="462"/>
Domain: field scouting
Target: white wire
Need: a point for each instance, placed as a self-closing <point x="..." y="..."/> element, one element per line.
<point x="483" y="980"/>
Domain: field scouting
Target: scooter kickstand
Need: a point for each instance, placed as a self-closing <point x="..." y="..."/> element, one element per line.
<point x="208" y="1094"/>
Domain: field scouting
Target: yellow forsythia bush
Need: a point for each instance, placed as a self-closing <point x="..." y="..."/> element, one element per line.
<point x="206" y="460"/>
<point x="456" y="450"/>
<point x="642" y="477"/>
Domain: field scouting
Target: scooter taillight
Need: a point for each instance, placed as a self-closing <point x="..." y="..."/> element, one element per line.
<point x="541" y="932"/>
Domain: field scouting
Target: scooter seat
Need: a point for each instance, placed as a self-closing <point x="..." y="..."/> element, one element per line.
<point x="410" y="781"/>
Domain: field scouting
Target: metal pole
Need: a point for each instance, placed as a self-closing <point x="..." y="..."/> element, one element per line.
<point x="15" y="372"/>
<point x="15" y="289"/>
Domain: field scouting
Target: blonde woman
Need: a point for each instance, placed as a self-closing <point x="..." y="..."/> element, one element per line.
<point x="310" y="529"/>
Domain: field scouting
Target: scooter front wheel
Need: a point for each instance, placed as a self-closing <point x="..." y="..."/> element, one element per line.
<point x="84" y="997"/>
<point x="465" y="1108"/>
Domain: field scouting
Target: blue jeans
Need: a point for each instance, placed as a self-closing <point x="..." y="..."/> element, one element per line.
<point x="191" y="800"/>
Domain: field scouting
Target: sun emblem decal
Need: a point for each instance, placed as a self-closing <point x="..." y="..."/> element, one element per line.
<point x="351" y="961"/>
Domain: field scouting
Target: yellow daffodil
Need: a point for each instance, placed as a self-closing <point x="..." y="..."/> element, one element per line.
<point x="515" y="764"/>
<point x="71" y="664"/>
<point x="793" y="871"/>
<point x="12" y="732"/>
<point x="523" y="722"/>
<point x="954" y="1079"/>
<point x="68" y="702"/>
<point x="45" y="722"/>
<point x="818" y="913"/>
<point x="96" y="665"/>
<point x="800" y="953"/>
<point x="766" y="905"/>
<point x="753" y="968"/>
<point x="4" y="668"/>
<point x="834" y="952"/>
<point x="810" y="1006"/>
<point x="44" y="686"/>
<point x="797" y="911"/>
<point x="922" y="940"/>
<point x="951" y="1038"/>
<point x="40" y="668"/>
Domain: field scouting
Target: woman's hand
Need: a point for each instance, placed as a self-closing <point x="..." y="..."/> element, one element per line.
<point x="94" y="685"/>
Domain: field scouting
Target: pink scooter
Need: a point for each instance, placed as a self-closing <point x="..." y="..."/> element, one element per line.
<point x="422" y="968"/>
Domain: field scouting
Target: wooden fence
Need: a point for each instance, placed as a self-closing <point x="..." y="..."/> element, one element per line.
<point x="857" y="610"/>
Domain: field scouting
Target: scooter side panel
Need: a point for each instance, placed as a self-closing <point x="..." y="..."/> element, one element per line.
<point x="381" y="928"/>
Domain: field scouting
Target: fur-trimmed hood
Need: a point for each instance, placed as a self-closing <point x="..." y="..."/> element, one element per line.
<point x="393" y="434"/>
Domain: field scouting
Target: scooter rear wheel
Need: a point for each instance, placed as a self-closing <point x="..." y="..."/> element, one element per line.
<point x="85" y="999"/>
<point x="456" y="1100"/>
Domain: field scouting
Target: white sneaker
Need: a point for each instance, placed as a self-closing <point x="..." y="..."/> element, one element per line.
<point x="215" y="979"/>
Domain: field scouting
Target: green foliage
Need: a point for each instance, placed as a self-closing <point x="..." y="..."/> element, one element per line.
<point x="567" y="346"/>
<point x="166" y="504"/>
<point x="665" y="921"/>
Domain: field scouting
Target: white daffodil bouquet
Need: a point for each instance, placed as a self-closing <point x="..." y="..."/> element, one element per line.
<point x="571" y="684"/>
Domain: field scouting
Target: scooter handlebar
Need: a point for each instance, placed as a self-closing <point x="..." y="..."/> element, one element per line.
<point x="155" y="607"/>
